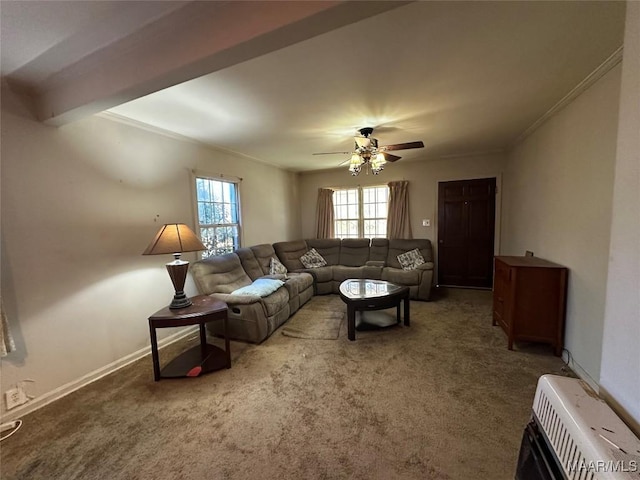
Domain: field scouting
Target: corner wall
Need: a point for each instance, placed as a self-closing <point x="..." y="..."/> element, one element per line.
<point x="79" y="205"/>
<point x="557" y="203"/>
<point x="620" y="367"/>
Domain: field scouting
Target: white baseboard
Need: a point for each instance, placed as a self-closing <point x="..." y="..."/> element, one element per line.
<point x="91" y="377"/>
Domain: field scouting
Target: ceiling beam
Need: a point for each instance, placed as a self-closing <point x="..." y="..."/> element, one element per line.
<point x="192" y="41"/>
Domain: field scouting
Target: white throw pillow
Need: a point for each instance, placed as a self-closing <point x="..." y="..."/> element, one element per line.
<point x="312" y="259"/>
<point x="411" y="259"/>
<point x="276" y="267"/>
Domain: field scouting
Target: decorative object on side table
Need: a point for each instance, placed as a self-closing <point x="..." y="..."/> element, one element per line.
<point x="176" y="238"/>
<point x="202" y="358"/>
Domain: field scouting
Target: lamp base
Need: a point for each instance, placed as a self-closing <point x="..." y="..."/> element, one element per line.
<point x="178" y="273"/>
<point x="180" y="300"/>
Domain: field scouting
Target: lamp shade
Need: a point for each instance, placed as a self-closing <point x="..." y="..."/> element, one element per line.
<point x="174" y="238"/>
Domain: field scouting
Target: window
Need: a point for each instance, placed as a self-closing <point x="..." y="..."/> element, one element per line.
<point x="361" y="212"/>
<point x="218" y="215"/>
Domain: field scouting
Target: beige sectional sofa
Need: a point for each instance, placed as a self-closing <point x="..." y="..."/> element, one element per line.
<point x="253" y="318"/>
<point x="376" y="259"/>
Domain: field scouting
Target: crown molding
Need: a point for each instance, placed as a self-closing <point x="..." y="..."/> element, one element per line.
<point x="593" y="77"/>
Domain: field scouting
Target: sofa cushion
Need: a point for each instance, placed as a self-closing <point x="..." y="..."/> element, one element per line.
<point x="354" y="252"/>
<point x="275" y="303"/>
<point x="312" y="259"/>
<point x="401" y="277"/>
<point x="398" y="246"/>
<point x="289" y="253"/>
<point x="277" y="268"/>
<point x="379" y="249"/>
<point x="322" y="274"/>
<point x="341" y="273"/>
<point x="219" y="274"/>
<point x="298" y="282"/>
<point x="264" y="253"/>
<point x="249" y="263"/>
<point x="411" y="259"/>
<point x="261" y="287"/>
<point x="329" y="248"/>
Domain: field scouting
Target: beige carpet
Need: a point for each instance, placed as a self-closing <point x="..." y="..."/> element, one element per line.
<point x="314" y="324"/>
<point x="441" y="399"/>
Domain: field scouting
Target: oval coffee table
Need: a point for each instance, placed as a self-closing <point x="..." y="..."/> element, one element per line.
<point x="363" y="294"/>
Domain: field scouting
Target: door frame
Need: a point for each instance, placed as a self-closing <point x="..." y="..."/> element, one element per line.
<point x="498" y="211"/>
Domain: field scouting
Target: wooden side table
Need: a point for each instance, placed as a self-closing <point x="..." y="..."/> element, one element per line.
<point x="202" y="358"/>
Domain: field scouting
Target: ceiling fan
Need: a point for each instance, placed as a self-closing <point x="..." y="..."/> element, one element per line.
<point x="367" y="152"/>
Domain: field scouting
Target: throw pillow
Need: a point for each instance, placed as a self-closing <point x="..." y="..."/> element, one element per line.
<point x="261" y="287"/>
<point x="411" y="259"/>
<point x="312" y="259"/>
<point x="276" y="267"/>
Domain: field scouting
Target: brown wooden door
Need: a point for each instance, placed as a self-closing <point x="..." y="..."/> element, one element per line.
<point x="466" y="221"/>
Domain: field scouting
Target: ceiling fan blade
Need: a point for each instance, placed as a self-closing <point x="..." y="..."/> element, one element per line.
<point x="390" y="158"/>
<point x="332" y="153"/>
<point x="403" y="146"/>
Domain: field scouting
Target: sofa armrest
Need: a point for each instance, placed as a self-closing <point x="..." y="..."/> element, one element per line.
<point x="426" y="266"/>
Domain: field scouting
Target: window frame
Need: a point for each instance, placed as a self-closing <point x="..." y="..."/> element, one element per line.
<point x="361" y="218"/>
<point x="235" y="182"/>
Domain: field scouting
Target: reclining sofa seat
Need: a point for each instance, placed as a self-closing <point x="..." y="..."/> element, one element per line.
<point x="251" y="318"/>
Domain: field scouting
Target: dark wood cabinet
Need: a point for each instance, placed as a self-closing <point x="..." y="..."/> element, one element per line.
<point x="529" y="300"/>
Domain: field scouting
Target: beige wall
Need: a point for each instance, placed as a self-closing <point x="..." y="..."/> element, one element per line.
<point x="557" y="203"/>
<point x="620" y="367"/>
<point x="79" y="205"/>
<point x="423" y="188"/>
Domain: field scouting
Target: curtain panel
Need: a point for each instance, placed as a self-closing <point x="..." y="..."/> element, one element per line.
<point x="324" y="214"/>
<point x="398" y="224"/>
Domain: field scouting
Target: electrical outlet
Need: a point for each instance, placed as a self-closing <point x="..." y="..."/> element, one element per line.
<point x="15" y="397"/>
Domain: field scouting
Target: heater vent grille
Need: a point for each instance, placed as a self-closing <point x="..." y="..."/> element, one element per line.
<point x="564" y="446"/>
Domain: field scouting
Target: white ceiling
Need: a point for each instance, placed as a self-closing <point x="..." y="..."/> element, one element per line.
<point x="464" y="77"/>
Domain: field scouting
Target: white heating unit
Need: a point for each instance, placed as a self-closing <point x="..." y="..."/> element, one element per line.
<point x="587" y="439"/>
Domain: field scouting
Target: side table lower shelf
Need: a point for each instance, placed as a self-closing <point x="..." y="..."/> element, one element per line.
<point x="194" y="362"/>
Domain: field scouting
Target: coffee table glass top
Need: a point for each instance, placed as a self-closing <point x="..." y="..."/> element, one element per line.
<point x="364" y="288"/>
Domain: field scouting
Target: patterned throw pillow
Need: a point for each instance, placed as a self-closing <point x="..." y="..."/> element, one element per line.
<point x="411" y="259"/>
<point x="276" y="268"/>
<point x="312" y="259"/>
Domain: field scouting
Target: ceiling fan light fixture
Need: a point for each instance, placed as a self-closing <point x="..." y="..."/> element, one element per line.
<point x="355" y="164"/>
<point x="377" y="163"/>
<point x="367" y="154"/>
